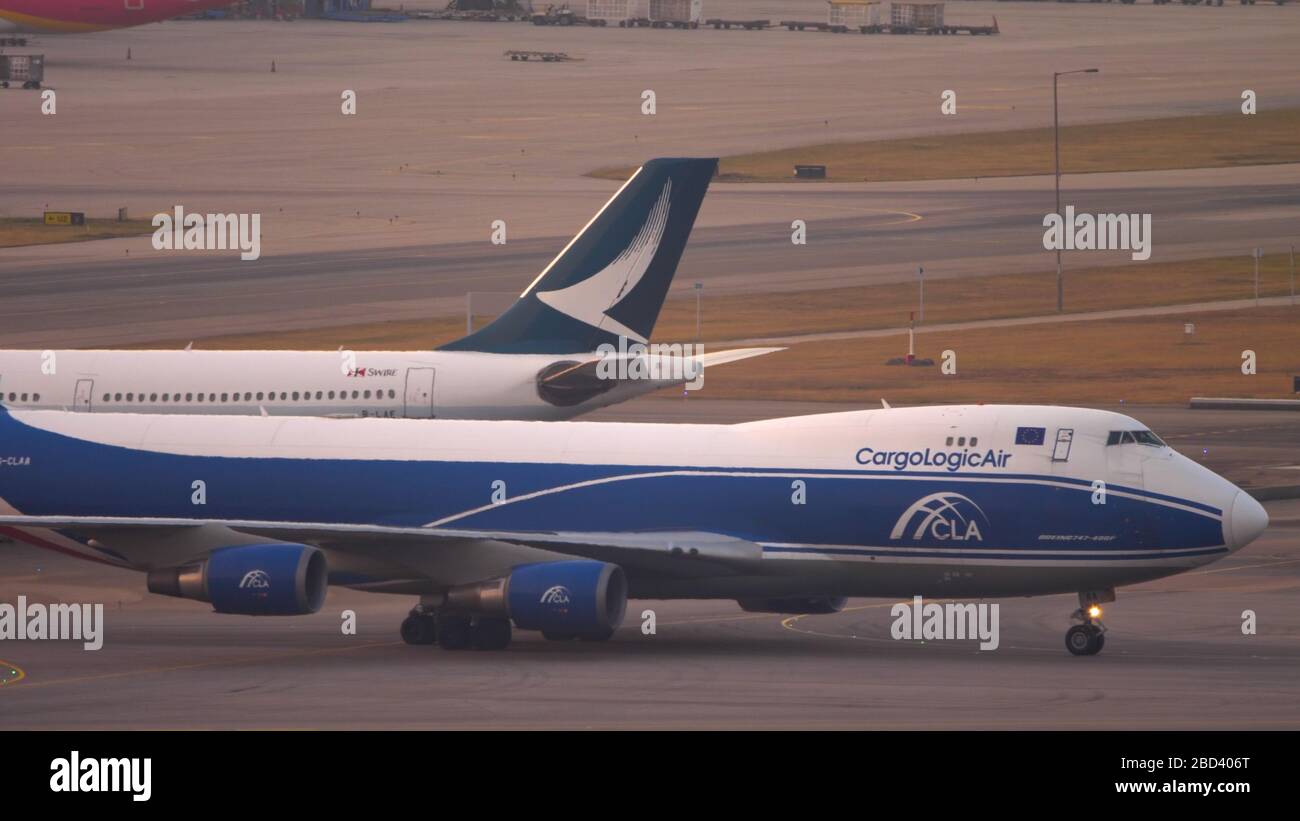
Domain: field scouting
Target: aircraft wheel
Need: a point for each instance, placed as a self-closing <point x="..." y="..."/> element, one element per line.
<point x="455" y="632"/>
<point x="419" y="629"/>
<point x="491" y="634"/>
<point x="1084" y="640"/>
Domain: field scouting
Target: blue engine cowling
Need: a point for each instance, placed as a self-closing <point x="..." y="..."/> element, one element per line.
<point x="579" y="596"/>
<point x="267" y="580"/>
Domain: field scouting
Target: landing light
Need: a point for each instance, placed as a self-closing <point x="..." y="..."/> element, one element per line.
<point x="1094" y="612"/>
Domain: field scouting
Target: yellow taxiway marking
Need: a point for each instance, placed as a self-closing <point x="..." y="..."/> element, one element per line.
<point x="198" y="665"/>
<point x="10" y="673"/>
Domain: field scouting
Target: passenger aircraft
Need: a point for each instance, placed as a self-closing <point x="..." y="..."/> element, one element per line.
<point x="80" y="16"/>
<point x="553" y="526"/>
<point x="541" y="359"/>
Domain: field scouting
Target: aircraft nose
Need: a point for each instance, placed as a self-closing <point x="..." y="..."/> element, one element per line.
<point x="1246" y="520"/>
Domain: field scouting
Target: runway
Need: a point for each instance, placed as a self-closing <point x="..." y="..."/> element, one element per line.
<point x="1175" y="655"/>
<point x="866" y="236"/>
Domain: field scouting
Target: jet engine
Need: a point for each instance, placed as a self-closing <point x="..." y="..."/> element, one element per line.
<point x="578" y="597"/>
<point x="251" y="580"/>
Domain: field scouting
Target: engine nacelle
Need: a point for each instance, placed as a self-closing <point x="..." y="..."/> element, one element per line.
<point x="251" y="580"/>
<point x="579" y="597"/>
<point x="794" y="606"/>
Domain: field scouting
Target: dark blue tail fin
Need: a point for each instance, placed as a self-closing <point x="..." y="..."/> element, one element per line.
<point x="611" y="280"/>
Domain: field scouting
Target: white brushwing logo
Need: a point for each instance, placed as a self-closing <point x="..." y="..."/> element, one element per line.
<point x="942" y="516"/>
<point x="590" y="300"/>
<point x="558" y="595"/>
<point x="255" y="580"/>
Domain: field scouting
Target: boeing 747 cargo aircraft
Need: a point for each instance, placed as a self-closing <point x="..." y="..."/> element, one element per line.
<point x="553" y="526"/>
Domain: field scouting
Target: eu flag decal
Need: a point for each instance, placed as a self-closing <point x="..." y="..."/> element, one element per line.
<point x="1030" y="436"/>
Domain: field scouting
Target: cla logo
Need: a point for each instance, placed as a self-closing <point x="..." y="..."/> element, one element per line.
<point x="557" y="595"/>
<point x="255" y="580"/>
<point x="943" y="517"/>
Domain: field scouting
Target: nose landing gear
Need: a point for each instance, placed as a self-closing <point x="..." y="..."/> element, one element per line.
<point x="1088" y="637"/>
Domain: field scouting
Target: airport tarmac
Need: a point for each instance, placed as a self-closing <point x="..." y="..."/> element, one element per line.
<point x="387" y="214"/>
<point x="1175" y="656"/>
<point x="868" y="236"/>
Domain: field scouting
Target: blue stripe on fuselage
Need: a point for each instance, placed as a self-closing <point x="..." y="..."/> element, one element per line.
<point x="73" y="477"/>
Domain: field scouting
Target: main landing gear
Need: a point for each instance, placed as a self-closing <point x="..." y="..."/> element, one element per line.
<point x="1089" y="636"/>
<point x="454" y="631"/>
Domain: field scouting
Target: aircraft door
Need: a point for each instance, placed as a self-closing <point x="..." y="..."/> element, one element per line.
<point x="1064" y="441"/>
<point x="419" y="393"/>
<point x="81" y="396"/>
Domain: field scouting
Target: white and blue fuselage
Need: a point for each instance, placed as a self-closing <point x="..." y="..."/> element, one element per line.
<point x="961" y="500"/>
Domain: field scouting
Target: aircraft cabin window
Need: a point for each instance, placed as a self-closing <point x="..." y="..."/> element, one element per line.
<point x="165" y="396"/>
<point x="200" y="397"/>
<point x="319" y="394"/>
<point x="295" y="396"/>
<point x="367" y="394"/>
<point x="212" y="397"/>
<point x="974" y="440"/>
<point x="117" y="397"/>
<point x="331" y="394"/>
<point x="130" y="397"/>
<point x="105" y="397"/>
<point x="961" y="441"/>
<point x="36" y="397"/>
<point x="24" y="397"/>
<point x="392" y="394"/>
<point x="283" y="396"/>
<point x="259" y="396"/>
<point x="153" y="397"/>
<point x="1146" y="437"/>
<point x="356" y="394"/>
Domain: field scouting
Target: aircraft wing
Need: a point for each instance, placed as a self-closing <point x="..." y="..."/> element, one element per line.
<point x="677" y="554"/>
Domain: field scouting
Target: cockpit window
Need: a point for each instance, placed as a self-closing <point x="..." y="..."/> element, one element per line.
<point x="1146" y="437"/>
<point x="1134" y="437"/>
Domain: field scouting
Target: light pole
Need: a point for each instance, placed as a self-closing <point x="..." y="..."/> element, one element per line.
<point x="1056" y="136"/>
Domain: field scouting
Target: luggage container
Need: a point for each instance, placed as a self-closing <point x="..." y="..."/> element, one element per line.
<point x="853" y="14"/>
<point x="915" y="16"/>
<point x="604" y="12"/>
<point x="27" y="70"/>
<point x="676" y="13"/>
